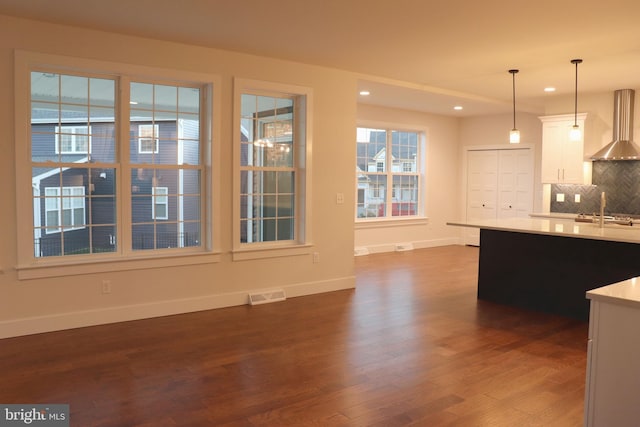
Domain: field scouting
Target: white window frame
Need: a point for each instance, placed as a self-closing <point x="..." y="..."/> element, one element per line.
<point x="156" y="140"/>
<point x="65" y="130"/>
<point x="303" y="131"/>
<point x="29" y="265"/>
<point x="390" y="172"/>
<point x="60" y="208"/>
<point x="160" y="196"/>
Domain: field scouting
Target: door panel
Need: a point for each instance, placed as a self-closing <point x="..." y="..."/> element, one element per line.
<point x="499" y="185"/>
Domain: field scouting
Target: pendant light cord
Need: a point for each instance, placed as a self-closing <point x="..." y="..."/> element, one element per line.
<point x="575" y="107"/>
<point x="513" y="74"/>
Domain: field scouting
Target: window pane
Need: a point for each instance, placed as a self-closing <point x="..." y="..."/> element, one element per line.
<point x="405" y="195"/>
<point x="190" y="181"/>
<point x="266" y="231"/>
<point x="189" y="101"/>
<point x="102" y="182"/>
<point x="374" y="196"/>
<point x="285" y="229"/>
<point x="141" y="95"/>
<point x="285" y="206"/>
<point x="74" y="90"/>
<point x="165" y="98"/>
<point x="103" y="210"/>
<point x="53" y="218"/>
<point x="102" y="92"/>
<point x="103" y="239"/>
<point x="191" y="208"/>
<point x="190" y="151"/>
<point x="78" y="216"/>
<point x="45" y="87"/>
<point x="161" y="210"/>
<point x="268" y="208"/>
<point x="143" y="236"/>
<point x="286" y="182"/>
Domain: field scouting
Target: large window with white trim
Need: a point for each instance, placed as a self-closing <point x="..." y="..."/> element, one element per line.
<point x="117" y="164"/>
<point x="272" y="167"/>
<point x="389" y="172"/>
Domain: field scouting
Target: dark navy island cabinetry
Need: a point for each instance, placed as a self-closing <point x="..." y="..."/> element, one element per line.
<point x="548" y="264"/>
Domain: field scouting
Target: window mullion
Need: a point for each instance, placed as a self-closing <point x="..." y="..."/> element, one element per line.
<point x="389" y="175"/>
<point x="123" y="168"/>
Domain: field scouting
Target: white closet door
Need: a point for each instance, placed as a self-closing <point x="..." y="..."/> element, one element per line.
<point x="482" y="187"/>
<point x="499" y="185"/>
<point x="515" y="183"/>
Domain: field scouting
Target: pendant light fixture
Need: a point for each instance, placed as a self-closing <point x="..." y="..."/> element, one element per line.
<point x="575" y="134"/>
<point x="514" y="135"/>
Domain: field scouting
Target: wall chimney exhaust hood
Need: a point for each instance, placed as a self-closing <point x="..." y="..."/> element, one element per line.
<point x="622" y="147"/>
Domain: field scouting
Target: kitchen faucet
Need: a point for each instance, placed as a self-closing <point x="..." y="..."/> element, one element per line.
<point x="603" y="203"/>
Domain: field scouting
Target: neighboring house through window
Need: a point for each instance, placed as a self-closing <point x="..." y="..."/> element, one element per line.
<point x="64" y="208"/>
<point x="148" y="139"/>
<point x="73" y="139"/>
<point x="160" y="203"/>
<point x="388" y="169"/>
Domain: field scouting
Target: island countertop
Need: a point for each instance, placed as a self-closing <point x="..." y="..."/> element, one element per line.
<point x="626" y="292"/>
<point x="563" y="227"/>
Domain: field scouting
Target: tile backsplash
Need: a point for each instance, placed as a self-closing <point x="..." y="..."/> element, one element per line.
<point x="620" y="180"/>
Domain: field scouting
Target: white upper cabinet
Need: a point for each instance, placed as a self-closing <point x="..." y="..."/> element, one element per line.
<point x="562" y="159"/>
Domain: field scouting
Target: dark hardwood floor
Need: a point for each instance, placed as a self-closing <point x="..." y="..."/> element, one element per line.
<point x="410" y="346"/>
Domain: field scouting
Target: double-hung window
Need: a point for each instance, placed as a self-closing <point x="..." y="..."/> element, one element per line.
<point x="272" y="146"/>
<point x="389" y="173"/>
<point x="117" y="165"/>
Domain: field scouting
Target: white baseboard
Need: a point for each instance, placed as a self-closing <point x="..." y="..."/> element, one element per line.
<point x="419" y="244"/>
<point x="78" y="319"/>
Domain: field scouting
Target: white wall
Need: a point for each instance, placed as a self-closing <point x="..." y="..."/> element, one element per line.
<point x="29" y="306"/>
<point x="440" y="193"/>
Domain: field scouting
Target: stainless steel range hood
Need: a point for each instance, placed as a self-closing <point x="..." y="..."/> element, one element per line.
<point x="622" y="147"/>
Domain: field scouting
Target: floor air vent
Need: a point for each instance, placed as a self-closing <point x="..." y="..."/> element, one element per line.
<point x="402" y="247"/>
<point x="267" y="296"/>
<point x="360" y="251"/>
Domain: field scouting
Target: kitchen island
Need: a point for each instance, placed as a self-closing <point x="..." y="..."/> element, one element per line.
<point x="547" y="264"/>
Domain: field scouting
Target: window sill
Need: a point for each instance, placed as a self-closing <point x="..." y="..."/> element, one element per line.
<point x="390" y="222"/>
<point x="250" y="253"/>
<point x="48" y="268"/>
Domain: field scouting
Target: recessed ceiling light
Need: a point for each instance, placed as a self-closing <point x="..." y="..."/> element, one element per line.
<point x="458" y="107"/>
<point x="365" y="92"/>
<point x="549" y="89"/>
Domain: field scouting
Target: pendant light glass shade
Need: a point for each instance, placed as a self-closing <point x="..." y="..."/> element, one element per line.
<point x="514" y="134"/>
<point x="575" y="134"/>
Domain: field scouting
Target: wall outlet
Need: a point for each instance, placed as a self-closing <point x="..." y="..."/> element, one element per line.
<point x="339" y="198"/>
<point x="106" y="286"/>
<point x="316" y="257"/>
<point x="560" y="197"/>
<point x="576" y="198"/>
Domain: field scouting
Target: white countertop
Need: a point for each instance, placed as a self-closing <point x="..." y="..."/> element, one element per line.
<point x="563" y="227"/>
<point x="626" y="292"/>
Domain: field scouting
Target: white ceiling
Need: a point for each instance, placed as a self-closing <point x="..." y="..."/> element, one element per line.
<point x="426" y="55"/>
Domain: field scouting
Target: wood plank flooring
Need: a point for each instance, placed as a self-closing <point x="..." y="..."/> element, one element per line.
<point x="411" y="346"/>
